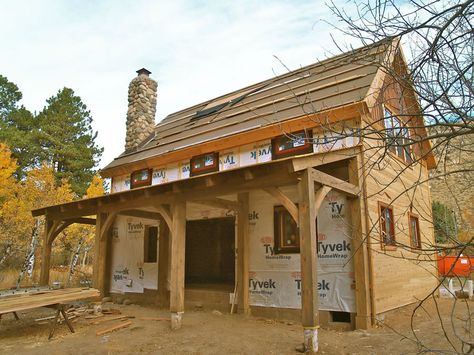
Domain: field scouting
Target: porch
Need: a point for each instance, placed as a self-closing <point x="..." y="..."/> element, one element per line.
<point x="313" y="176"/>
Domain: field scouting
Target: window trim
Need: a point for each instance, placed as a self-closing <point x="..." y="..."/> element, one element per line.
<point x="278" y="226"/>
<point x="146" y="182"/>
<point x="392" y="246"/>
<point x="205" y="169"/>
<point x="306" y="148"/>
<point x="410" y="230"/>
<point x="394" y="146"/>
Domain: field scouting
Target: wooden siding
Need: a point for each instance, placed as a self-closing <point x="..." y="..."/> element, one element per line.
<point x="401" y="275"/>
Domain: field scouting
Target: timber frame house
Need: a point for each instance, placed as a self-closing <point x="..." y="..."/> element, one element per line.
<point x="293" y="144"/>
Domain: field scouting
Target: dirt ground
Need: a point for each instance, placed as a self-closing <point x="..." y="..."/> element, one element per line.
<point x="208" y="332"/>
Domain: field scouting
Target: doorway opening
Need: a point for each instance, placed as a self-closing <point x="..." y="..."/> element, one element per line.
<point x="210" y="258"/>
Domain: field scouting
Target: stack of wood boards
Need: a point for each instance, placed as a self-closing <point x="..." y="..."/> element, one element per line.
<point x="25" y="301"/>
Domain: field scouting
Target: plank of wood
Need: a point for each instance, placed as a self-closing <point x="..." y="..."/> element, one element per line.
<point x="114" y="328"/>
<point x="43" y="300"/>
<point x="106" y="319"/>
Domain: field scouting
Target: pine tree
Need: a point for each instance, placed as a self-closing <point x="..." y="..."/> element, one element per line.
<point x="18" y="128"/>
<point x="67" y="139"/>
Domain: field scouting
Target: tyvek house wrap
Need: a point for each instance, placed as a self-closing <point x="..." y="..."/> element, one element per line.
<point x="129" y="271"/>
<point x="275" y="279"/>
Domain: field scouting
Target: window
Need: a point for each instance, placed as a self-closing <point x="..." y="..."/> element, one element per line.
<point x="285" y="232"/>
<point x="387" y="227"/>
<point x="415" y="239"/>
<point x="150" y="244"/>
<point x="141" y="178"/>
<point x="205" y="163"/>
<point x="292" y="144"/>
<point x="397" y="136"/>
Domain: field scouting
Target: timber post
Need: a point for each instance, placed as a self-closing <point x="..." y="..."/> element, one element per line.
<point x="309" y="279"/>
<point x="103" y="223"/>
<point x="359" y="244"/>
<point x="178" y="244"/>
<point x="243" y="254"/>
<point x="163" y="262"/>
<point x="309" y="203"/>
<point x="46" y="253"/>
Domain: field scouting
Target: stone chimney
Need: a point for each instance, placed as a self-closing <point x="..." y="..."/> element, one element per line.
<point x="141" y="109"/>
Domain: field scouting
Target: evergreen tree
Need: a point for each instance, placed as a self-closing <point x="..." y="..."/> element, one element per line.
<point x="67" y="139"/>
<point x="18" y="128"/>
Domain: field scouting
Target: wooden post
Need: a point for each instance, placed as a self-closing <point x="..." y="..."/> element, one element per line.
<point x="163" y="264"/>
<point x="46" y="253"/>
<point x="243" y="254"/>
<point x="359" y="245"/>
<point x="178" y="244"/>
<point x="309" y="277"/>
<point x="103" y="223"/>
<point x="308" y="207"/>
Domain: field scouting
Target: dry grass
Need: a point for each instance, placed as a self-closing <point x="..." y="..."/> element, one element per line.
<point x="8" y="278"/>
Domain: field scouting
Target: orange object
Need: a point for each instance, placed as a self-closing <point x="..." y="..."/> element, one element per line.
<point x="455" y="266"/>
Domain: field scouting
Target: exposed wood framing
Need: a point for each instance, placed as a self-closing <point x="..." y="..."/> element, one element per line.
<point x="140" y="214"/>
<point x="81" y="220"/>
<point x="164" y="211"/>
<point x="308" y="207"/>
<point x="109" y="219"/>
<point x="219" y="203"/>
<point x="312" y="161"/>
<point x="337" y="184"/>
<point x="359" y="247"/>
<point x="194" y="189"/>
<point x="243" y="254"/>
<point x="51" y="230"/>
<point x="101" y="272"/>
<point x="46" y="253"/>
<point x="285" y="201"/>
<point x="178" y="240"/>
<point x="163" y="266"/>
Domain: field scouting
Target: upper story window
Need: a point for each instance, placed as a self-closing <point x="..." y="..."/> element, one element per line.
<point x="397" y="136"/>
<point x="140" y="178"/>
<point x="292" y="144"/>
<point x="415" y="239"/>
<point x="387" y="225"/>
<point x="205" y="163"/>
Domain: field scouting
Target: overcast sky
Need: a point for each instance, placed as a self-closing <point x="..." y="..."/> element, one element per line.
<point x="196" y="50"/>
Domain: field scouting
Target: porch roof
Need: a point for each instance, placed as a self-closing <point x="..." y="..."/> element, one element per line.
<point x="206" y="187"/>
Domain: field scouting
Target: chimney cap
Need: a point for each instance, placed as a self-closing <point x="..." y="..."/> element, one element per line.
<point x="143" y="71"/>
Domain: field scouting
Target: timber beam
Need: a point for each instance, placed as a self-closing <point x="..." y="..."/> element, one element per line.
<point x="81" y="220"/>
<point x="285" y="201"/>
<point x="220" y="203"/>
<point x="337" y="184"/>
<point x="311" y="161"/>
<point x="199" y="188"/>
<point x="140" y="214"/>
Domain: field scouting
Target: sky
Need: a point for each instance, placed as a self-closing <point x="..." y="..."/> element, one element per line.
<point x="196" y="50"/>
